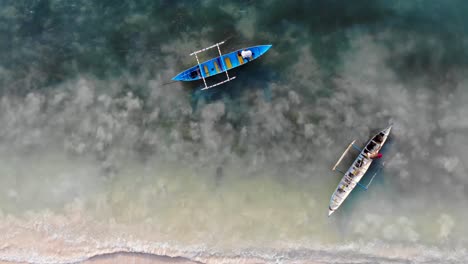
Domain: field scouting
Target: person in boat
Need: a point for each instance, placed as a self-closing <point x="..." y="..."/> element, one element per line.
<point x="375" y="155"/>
<point x="246" y="54"/>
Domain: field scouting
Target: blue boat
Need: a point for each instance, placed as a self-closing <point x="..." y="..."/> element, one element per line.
<point x="220" y="64"/>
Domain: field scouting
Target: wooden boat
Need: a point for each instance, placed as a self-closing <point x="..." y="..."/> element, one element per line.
<point x="358" y="169"/>
<point x="220" y="64"/>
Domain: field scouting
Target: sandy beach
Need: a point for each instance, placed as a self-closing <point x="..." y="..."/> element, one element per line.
<point x="134" y="258"/>
<point x="140" y="258"/>
<point x="137" y="258"/>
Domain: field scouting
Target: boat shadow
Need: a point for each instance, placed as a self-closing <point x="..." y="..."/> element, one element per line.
<point x="250" y="78"/>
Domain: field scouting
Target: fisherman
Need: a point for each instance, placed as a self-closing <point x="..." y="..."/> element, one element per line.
<point x="246" y="54"/>
<point x="375" y="156"/>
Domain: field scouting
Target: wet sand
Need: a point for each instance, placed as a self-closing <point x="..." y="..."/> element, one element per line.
<point x="136" y="258"/>
<point x="133" y="258"/>
<point x="141" y="258"/>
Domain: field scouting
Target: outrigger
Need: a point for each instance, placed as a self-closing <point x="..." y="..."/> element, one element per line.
<point x="358" y="169"/>
<point x="220" y="64"/>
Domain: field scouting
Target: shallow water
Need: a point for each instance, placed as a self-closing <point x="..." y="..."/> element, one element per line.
<point x="99" y="155"/>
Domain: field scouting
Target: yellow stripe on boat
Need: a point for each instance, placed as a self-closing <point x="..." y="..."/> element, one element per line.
<point x="228" y="62"/>
<point x="241" y="60"/>
<point x="207" y="73"/>
<point x="216" y="66"/>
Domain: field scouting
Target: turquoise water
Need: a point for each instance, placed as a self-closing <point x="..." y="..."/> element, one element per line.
<point x="98" y="154"/>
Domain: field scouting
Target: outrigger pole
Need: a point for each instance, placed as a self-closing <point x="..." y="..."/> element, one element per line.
<point x="342" y="156"/>
<point x="207" y="48"/>
<point x="199" y="67"/>
<point x="222" y="62"/>
<point x="365" y="187"/>
<point x="222" y="65"/>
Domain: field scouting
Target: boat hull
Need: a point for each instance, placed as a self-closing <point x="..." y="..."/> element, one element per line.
<point x="220" y="64"/>
<point x="358" y="169"/>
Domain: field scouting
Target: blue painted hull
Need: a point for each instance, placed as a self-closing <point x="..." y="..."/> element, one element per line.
<point x="217" y="65"/>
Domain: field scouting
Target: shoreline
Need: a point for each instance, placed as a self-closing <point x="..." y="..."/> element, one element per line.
<point x="148" y="258"/>
<point x="140" y="258"/>
<point x="382" y="255"/>
<point x="126" y="257"/>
